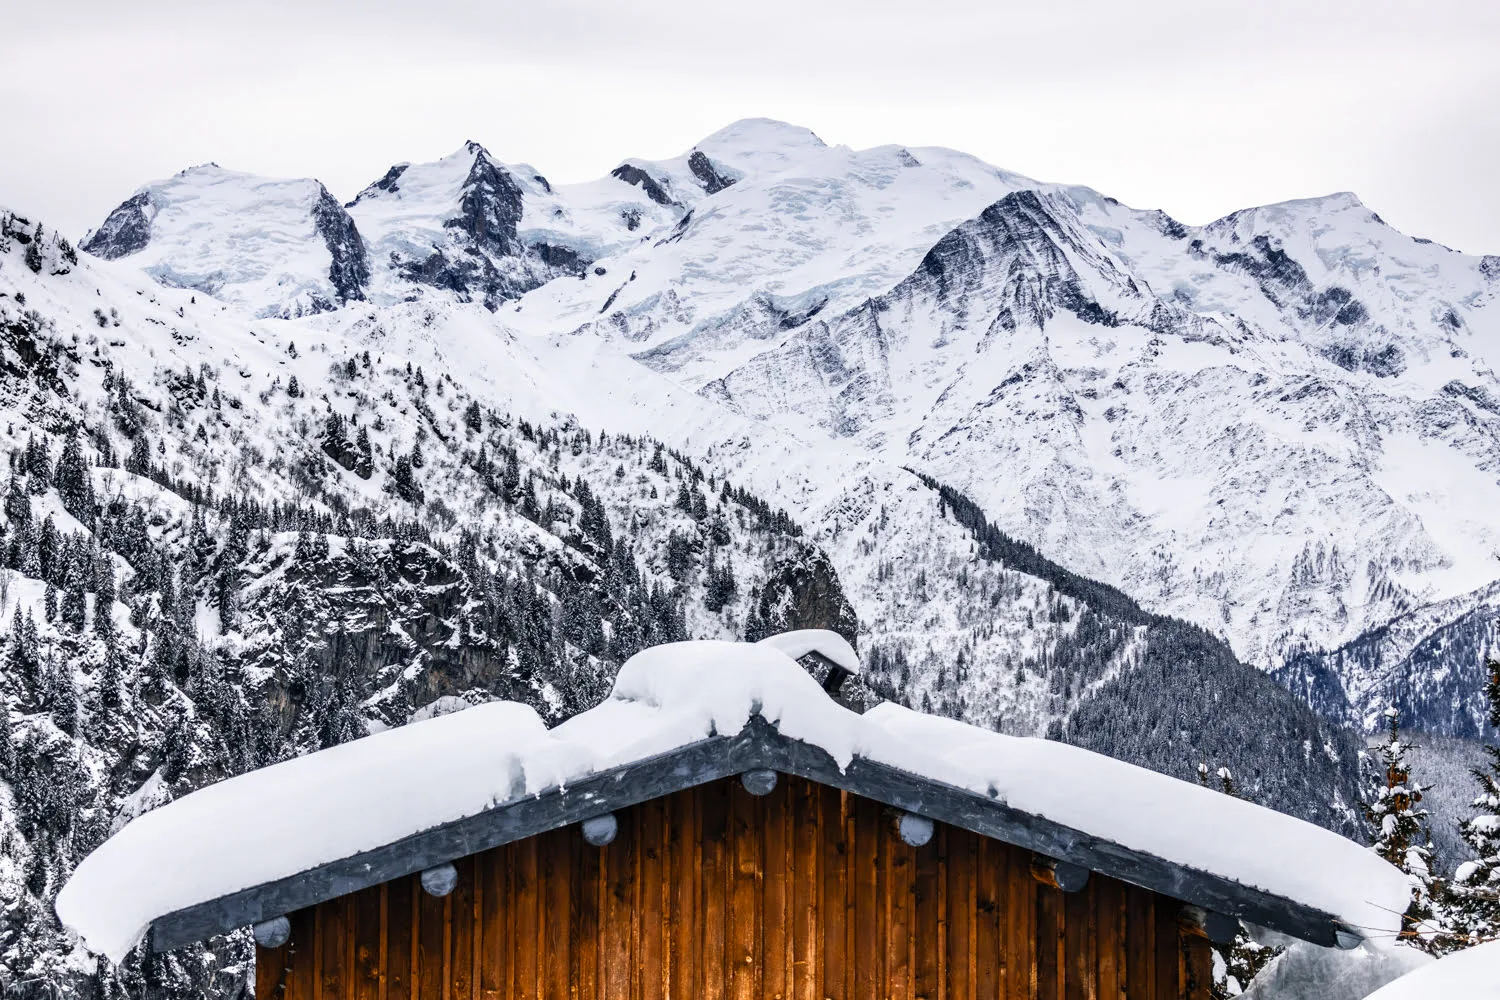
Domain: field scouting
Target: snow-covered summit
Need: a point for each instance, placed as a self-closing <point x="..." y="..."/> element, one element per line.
<point x="275" y="247"/>
<point x="760" y="145"/>
<point x="374" y="791"/>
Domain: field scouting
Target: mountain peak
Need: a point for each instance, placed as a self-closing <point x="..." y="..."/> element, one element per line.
<point x="472" y="148"/>
<point x="752" y="142"/>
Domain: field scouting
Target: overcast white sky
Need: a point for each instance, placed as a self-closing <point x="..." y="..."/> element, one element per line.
<point x="1193" y="106"/>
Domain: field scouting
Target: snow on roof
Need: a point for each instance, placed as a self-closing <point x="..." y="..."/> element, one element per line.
<point x="326" y="806"/>
<point x="1471" y="974"/>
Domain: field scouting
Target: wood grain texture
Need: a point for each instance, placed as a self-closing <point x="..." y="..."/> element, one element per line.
<point x="802" y="894"/>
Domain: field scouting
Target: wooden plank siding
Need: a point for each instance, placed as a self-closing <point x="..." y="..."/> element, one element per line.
<point x="804" y="894"/>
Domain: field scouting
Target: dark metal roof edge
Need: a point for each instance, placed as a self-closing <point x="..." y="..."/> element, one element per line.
<point x="758" y="745"/>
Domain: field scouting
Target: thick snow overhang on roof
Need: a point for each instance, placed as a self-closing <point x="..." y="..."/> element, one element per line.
<point x="266" y="843"/>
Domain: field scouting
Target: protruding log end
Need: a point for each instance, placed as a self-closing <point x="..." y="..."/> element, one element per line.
<point x="1219" y="928"/>
<point x="915" y="830"/>
<point x="1347" y="937"/>
<point x="440" y="880"/>
<point x="1063" y="875"/>
<point x="601" y="830"/>
<point x="761" y="782"/>
<point x="273" y="933"/>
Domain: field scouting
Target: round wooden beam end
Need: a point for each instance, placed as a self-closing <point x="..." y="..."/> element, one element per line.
<point x="601" y="830"/>
<point x="915" y="830"/>
<point x="1063" y="875"/>
<point x="1220" y="928"/>
<point x="762" y="782"/>
<point x="273" y="933"/>
<point x="439" y="880"/>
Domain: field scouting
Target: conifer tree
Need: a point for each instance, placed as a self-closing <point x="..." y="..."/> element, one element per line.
<point x="47" y="546"/>
<point x="37" y="463"/>
<point x="74" y="486"/>
<point x="104" y="596"/>
<point x="33" y="254"/>
<point x="139" y="461"/>
<point x="64" y="707"/>
<point x="111" y="674"/>
<point x="7" y="741"/>
<point x="1400" y="836"/>
<point x="74" y="606"/>
<point x="17" y="504"/>
<point x="1474" y="906"/>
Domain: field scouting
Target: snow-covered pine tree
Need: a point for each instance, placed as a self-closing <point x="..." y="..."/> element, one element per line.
<point x="1473" y="913"/>
<point x="7" y="739"/>
<point x="74" y="486"/>
<point x="1399" y="835"/>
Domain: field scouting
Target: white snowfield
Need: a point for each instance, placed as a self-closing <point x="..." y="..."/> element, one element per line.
<point x="306" y="812"/>
<point x="1472" y="974"/>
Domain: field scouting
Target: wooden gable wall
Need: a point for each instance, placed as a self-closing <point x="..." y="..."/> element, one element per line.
<point x="715" y="894"/>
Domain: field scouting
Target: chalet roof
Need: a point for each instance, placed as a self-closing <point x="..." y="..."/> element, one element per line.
<point x="265" y="843"/>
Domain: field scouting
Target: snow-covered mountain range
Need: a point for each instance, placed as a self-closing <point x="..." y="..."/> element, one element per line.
<point x="1280" y="426"/>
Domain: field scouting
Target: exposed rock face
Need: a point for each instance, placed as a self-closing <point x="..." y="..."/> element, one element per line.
<point x="631" y="174"/>
<point x="490" y="206"/>
<point x="389" y="183"/>
<point x="127" y="229"/>
<point x="703" y="169"/>
<point x="350" y="270"/>
<point x="804" y="593"/>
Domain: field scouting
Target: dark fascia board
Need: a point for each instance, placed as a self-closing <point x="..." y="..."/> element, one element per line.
<point x="758" y="746"/>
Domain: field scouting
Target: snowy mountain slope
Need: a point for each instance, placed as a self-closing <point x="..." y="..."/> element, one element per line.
<point x="299" y="544"/>
<point x="908" y="572"/>
<point x="1198" y="392"/>
<point x="810" y="229"/>
<point x="1425" y="662"/>
<point x="276" y="248"/>
<point x="1280" y="425"/>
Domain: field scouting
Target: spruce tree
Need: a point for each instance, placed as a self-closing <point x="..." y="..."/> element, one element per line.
<point x="139" y="461"/>
<point x="111" y="674"/>
<point x="7" y="741"/>
<point x="37" y="464"/>
<point x="74" y="607"/>
<point x="33" y="253"/>
<point x="74" y="486"/>
<point x="64" y="707"/>
<point x="17" y="504"/>
<point x="1400" y="836"/>
<point x="104" y="596"/>
<point x="1474" y="907"/>
<point x="48" y="544"/>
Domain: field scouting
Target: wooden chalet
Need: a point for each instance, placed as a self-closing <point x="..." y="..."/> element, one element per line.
<point x="739" y="865"/>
